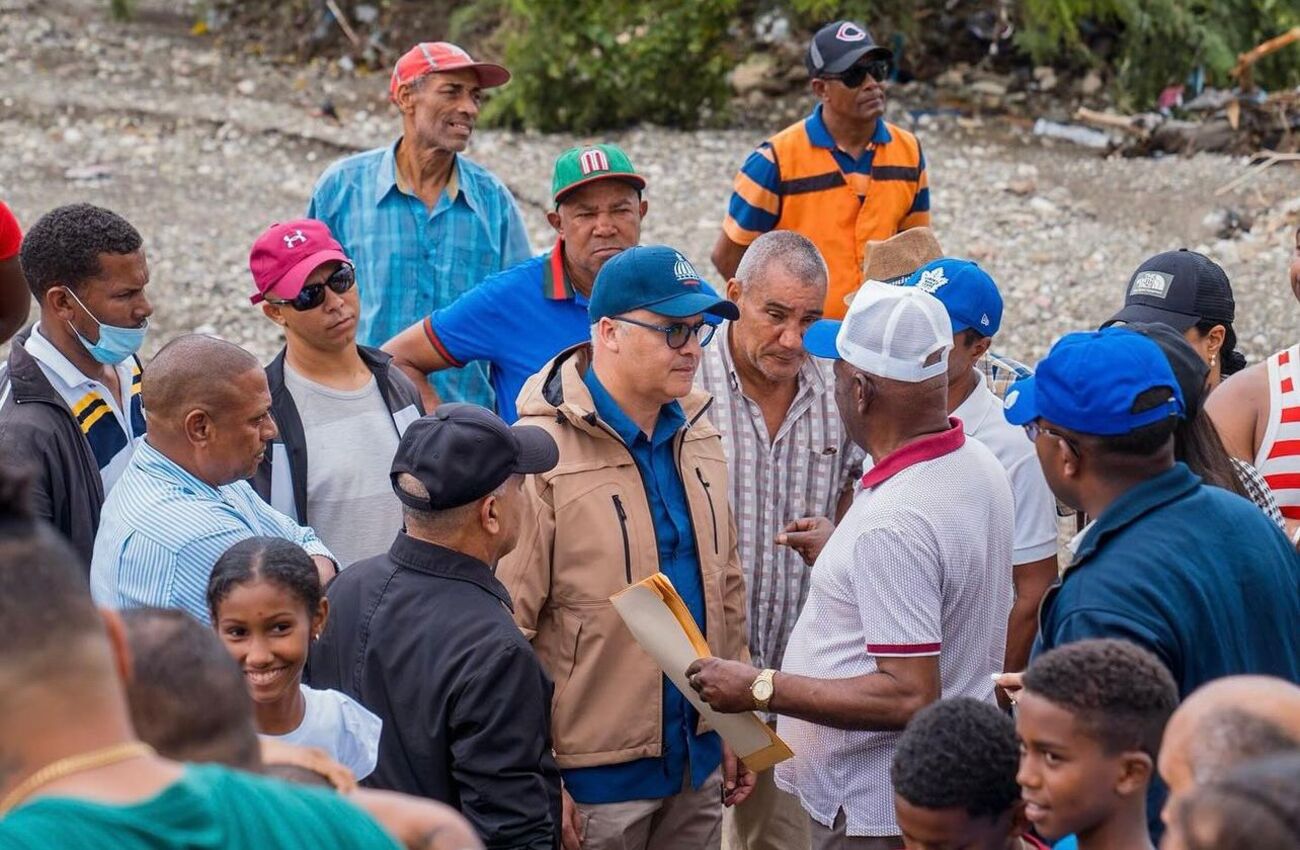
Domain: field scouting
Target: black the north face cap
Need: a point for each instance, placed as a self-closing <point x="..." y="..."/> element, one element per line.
<point x="1180" y="289"/>
<point x="461" y="452"/>
<point x="837" y="47"/>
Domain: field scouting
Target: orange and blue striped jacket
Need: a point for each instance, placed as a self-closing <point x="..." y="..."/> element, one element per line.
<point x="800" y="180"/>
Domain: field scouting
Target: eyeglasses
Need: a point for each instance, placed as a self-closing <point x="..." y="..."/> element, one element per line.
<point x="878" y="69"/>
<point x="1033" y="429"/>
<point x="678" y="333"/>
<point x="313" y="295"/>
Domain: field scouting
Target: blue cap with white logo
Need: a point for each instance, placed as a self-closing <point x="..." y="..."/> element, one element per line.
<point x="1094" y="383"/>
<point x="655" y="278"/>
<point x="966" y="290"/>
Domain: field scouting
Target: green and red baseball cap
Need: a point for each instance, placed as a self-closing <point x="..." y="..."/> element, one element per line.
<point x="585" y="164"/>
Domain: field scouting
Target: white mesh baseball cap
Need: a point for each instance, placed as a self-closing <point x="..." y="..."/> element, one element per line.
<point x="890" y="331"/>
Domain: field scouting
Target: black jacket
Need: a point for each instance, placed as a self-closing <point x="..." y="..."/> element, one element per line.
<point x="424" y="637"/>
<point x="40" y="437"/>
<point x="281" y="480"/>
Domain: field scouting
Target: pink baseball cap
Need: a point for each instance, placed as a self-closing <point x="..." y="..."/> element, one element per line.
<point x="287" y="253"/>
<point x="429" y="57"/>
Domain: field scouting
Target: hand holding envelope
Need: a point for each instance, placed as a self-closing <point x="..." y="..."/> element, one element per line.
<point x="661" y="623"/>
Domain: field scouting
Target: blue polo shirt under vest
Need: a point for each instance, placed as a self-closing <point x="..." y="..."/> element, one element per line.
<point x="1198" y="575"/>
<point x="516" y="320"/>
<point x="683" y="750"/>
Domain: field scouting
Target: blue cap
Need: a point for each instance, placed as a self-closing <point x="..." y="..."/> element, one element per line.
<point x="966" y="290"/>
<point x="655" y="278"/>
<point x="1090" y="381"/>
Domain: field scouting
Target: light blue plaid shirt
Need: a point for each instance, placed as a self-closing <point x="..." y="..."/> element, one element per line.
<point x="162" y="530"/>
<point x="411" y="261"/>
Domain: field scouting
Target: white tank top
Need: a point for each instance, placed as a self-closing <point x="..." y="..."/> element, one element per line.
<point x="1278" y="459"/>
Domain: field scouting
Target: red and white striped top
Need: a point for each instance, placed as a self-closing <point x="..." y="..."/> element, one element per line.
<point x="1278" y="459"/>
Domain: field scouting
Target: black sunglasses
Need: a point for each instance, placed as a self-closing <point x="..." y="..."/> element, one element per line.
<point x="878" y="69"/>
<point x="678" y="333"/>
<point x="313" y="295"/>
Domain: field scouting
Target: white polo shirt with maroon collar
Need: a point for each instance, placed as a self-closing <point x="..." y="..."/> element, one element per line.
<point x="920" y="565"/>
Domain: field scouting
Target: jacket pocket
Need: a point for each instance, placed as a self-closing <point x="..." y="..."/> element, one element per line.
<point x="713" y="512"/>
<point x="627" y="542"/>
<point x="567" y="658"/>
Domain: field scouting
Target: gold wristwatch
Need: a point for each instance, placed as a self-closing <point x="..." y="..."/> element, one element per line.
<point x="762" y="689"/>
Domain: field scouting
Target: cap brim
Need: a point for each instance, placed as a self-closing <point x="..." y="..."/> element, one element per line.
<point x="1020" y="405"/>
<point x="1135" y="313"/>
<point x="537" y="450"/>
<point x="681" y="306"/>
<point x="848" y="60"/>
<point x="490" y="75"/>
<point x="292" y="281"/>
<point x="819" y="339"/>
<point x="636" y="181"/>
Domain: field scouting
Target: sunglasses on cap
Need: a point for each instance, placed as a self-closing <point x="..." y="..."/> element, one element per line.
<point x="313" y="295"/>
<point x="878" y="69"/>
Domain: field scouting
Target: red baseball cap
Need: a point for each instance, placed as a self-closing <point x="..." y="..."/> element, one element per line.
<point x="287" y="253"/>
<point x="429" y="57"/>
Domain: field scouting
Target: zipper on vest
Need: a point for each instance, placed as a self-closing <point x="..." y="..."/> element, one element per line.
<point x="627" y="544"/>
<point x="712" y="512"/>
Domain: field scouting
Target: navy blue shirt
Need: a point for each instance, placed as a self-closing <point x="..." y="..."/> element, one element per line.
<point x="655" y="778"/>
<point x="515" y="321"/>
<point x="1196" y="574"/>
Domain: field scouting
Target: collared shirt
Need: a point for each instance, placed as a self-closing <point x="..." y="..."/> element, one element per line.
<point x="422" y="636"/>
<point x="918" y="566"/>
<point x="755" y="206"/>
<point x="411" y="260"/>
<point x="684" y="750"/>
<point x="111" y="432"/>
<point x="162" y="530"/>
<point x="515" y="321"/>
<point x="1036" y="522"/>
<point x="799" y="473"/>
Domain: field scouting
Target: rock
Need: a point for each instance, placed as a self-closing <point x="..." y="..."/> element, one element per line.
<point x="1022" y="186"/>
<point x="1042" y="206"/>
<point x="1045" y="76"/>
<point x="758" y="72"/>
<point x="246" y="87"/>
<point x="989" y="88"/>
<point x="953" y="78"/>
<point x="1091" y="84"/>
<point x="365" y="14"/>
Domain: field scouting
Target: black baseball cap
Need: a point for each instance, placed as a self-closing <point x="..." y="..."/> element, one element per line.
<point x="461" y="452"/>
<point x="838" y="46"/>
<point x="1180" y="289"/>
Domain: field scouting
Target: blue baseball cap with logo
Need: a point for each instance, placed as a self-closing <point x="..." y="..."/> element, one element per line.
<point x="655" y="278"/>
<point x="1091" y="383"/>
<point x="966" y="290"/>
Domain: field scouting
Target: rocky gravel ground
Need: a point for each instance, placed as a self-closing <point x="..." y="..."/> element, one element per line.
<point x="201" y="149"/>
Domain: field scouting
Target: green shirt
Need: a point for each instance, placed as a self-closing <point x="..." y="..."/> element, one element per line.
<point x="209" y="807"/>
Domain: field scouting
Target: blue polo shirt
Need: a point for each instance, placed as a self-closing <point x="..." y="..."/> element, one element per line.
<point x="656" y="778"/>
<point x="1197" y="575"/>
<point x="515" y="321"/>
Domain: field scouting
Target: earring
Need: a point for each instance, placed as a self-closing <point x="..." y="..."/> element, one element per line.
<point x="316" y="636"/>
<point x="1212" y="359"/>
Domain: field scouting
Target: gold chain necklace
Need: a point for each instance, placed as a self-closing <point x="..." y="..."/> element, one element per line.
<point x="74" y="764"/>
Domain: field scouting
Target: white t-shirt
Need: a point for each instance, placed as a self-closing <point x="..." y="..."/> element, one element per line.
<point x="920" y="565"/>
<point x="342" y="727"/>
<point x="351" y="439"/>
<point x="1036" y="523"/>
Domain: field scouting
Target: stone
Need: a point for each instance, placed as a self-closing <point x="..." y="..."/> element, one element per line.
<point x="758" y="72"/>
<point x="1091" y="84"/>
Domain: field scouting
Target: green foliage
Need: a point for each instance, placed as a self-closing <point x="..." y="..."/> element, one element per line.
<point x="582" y="65"/>
<point x="1161" y="41"/>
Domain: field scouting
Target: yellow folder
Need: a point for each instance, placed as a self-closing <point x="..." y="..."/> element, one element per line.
<point x="662" y="624"/>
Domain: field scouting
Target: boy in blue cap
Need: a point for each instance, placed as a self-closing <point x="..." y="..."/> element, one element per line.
<point x="1195" y="574"/>
<point x="640" y="488"/>
<point x="974" y="307"/>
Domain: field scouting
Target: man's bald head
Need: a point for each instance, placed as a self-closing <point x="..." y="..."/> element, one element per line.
<point x="1225" y="723"/>
<point x="208" y="408"/>
<point x="192" y="371"/>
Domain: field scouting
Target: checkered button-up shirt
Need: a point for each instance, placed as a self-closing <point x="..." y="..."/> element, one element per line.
<point x="411" y="260"/>
<point x="801" y="473"/>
